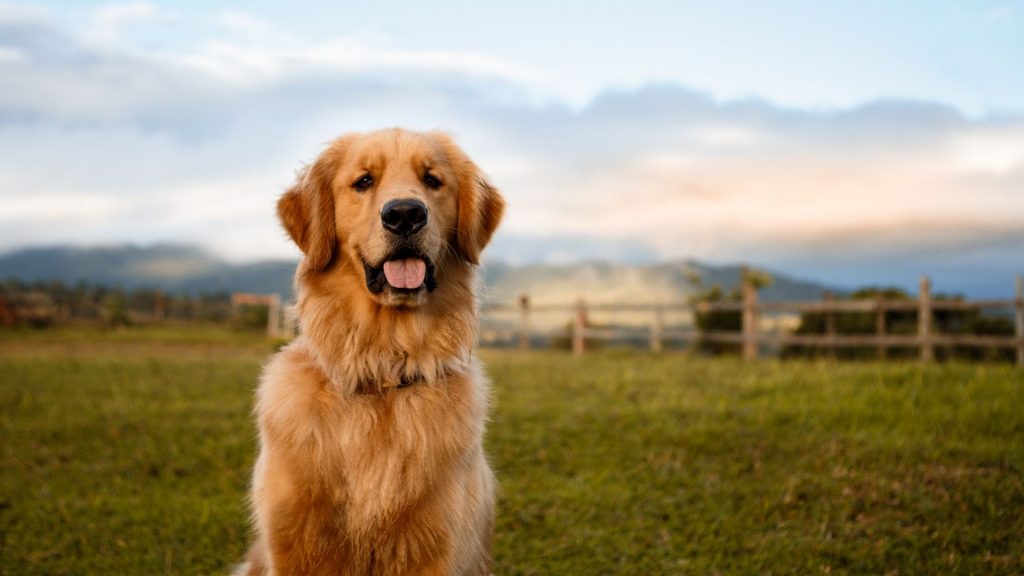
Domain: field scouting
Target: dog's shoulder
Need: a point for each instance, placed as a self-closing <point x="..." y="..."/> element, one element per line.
<point x="291" y="388"/>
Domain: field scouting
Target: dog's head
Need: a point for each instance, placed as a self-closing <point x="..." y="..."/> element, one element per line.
<point x="400" y="207"/>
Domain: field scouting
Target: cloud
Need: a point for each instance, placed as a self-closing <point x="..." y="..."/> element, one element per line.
<point x="248" y="26"/>
<point x="11" y="55"/>
<point x="21" y="14"/>
<point x="100" y="143"/>
<point x="994" y="150"/>
<point x="57" y="207"/>
<point x="111" y="21"/>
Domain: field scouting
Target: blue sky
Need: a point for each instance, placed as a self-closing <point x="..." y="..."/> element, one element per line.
<point x="849" y="142"/>
<point x="807" y="54"/>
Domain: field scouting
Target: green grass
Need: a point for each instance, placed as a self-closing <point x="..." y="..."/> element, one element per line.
<point x="202" y="340"/>
<point x="132" y="455"/>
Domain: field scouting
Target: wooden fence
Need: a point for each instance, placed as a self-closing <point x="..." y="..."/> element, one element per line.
<point x="750" y="338"/>
<point x="278" y="323"/>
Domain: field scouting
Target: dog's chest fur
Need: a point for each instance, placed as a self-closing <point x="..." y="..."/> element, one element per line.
<point x="386" y="445"/>
<point x="375" y="470"/>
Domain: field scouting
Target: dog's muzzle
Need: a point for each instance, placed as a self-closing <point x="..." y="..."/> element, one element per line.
<point x="404" y="271"/>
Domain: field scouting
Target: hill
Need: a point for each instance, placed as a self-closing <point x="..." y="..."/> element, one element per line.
<point x="184" y="268"/>
<point x="169" y="267"/>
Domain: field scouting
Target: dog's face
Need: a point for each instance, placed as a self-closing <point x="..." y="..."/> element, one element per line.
<point x="399" y="206"/>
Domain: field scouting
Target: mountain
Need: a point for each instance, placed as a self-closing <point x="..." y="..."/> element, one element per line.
<point x="169" y="267"/>
<point x="127" y="266"/>
<point x="183" y="268"/>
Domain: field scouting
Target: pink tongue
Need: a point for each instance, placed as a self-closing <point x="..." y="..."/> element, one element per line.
<point x="408" y="273"/>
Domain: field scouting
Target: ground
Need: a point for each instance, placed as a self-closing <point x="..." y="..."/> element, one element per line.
<point x="128" y="452"/>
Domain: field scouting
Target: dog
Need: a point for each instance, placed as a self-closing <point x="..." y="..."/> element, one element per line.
<point x="371" y="421"/>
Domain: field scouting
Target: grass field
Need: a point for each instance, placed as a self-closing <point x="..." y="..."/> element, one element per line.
<point x="128" y="452"/>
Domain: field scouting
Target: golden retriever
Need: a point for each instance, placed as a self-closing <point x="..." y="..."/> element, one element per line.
<point x="371" y="421"/>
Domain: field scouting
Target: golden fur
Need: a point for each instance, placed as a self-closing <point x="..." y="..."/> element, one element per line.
<point x="355" y="475"/>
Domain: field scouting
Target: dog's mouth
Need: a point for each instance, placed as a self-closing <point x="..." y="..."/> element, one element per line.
<point x="404" y="271"/>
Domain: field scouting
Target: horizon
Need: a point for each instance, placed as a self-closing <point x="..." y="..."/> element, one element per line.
<point x="990" y="289"/>
<point x="849" y="145"/>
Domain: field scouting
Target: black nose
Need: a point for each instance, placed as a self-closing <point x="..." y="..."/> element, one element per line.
<point x="404" y="217"/>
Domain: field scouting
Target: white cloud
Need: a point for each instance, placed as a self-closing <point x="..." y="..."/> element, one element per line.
<point x="260" y="64"/>
<point x="12" y="55"/>
<point x="110" y="21"/>
<point x="59" y="207"/>
<point x="246" y="25"/>
<point x="726" y="135"/>
<point x="20" y="14"/>
<point x="994" y="152"/>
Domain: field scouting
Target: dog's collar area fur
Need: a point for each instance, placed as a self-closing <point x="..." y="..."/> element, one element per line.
<point x="379" y="386"/>
<point x="376" y="281"/>
<point x="368" y="387"/>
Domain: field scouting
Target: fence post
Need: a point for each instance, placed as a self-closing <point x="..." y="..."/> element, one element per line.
<point x="159" y="306"/>
<point x="924" y="319"/>
<point x="579" y="327"/>
<point x="880" y="326"/>
<point x="749" y="318"/>
<point x="830" y="325"/>
<point x="656" y="329"/>
<point x="1019" y="317"/>
<point x="274" y="316"/>
<point x="524" y="322"/>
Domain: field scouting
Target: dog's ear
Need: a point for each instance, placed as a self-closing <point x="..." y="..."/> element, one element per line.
<point x="480" y="204"/>
<point x="306" y="210"/>
<point x="480" y="209"/>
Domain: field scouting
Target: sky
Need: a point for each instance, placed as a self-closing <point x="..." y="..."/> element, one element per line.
<point x="851" y="143"/>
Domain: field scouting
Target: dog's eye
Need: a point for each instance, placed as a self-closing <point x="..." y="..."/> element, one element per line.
<point x="364" y="183"/>
<point x="432" y="182"/>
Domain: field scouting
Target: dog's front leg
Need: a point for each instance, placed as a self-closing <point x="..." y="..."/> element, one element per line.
<point x="297" y="526"/>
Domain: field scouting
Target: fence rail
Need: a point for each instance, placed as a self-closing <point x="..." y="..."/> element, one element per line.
<point x="750" y="338"/>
